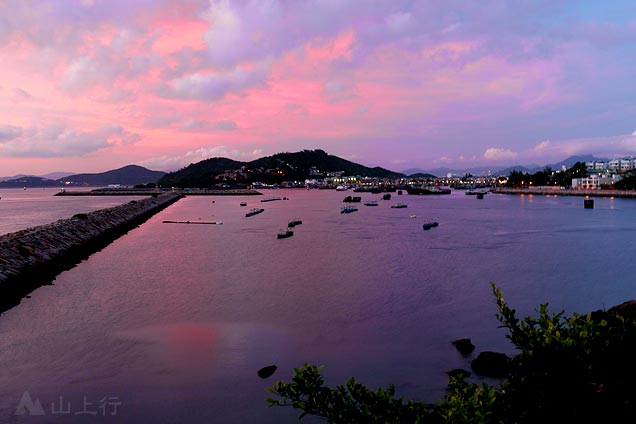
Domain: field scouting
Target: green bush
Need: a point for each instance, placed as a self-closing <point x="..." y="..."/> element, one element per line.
<point x="569" y="369"/>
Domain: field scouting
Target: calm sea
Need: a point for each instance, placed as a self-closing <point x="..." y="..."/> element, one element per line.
<point x="20" y="209"/>
<point x="170" y="322"/>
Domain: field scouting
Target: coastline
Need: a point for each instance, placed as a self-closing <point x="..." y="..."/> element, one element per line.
<point x="567" y="192"/>
<point x="153" y="192"/>
<point x="33" y="257"/>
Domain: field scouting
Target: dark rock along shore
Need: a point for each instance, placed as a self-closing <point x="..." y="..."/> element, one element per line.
<point x="33" y="257"/>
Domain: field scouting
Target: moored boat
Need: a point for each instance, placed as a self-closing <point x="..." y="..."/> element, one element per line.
<point x="371" y="203"/>
<point x="399" y="206"/>
<point x="285" y="233"/>
<point x="243" y="203"/>
<point x="430" y="224"/>
<point x="423" y="190"/>
<point x="348" y="209"/>
<point x="253" y="212"/>
<point x="293" y="222"/>
<point x="350" y="199"/>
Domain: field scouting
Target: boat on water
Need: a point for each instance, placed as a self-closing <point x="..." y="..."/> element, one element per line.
<point x="348" y="209"/>
<point x="285" y="233"/>
<point x="341" y="188"/>
<point x="293" y="222"/>
<point x="254" y="211"/>
<point x="350" y="199"/>
<point x="386" y="196"/>
<point x="399" y="206"/>
<point x="270" y="199"/>
<point x="424" y="190"/>
<point x="412" y="216"/>
<point x="372" y="189"/>
<point x="399" y="192"/>
<point x="475" y="192"/>
<point x="243" y="203"/>
<point x="371" y="203"/>
<point x="430" y="224"/>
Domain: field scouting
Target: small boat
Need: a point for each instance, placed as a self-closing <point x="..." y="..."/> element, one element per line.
<point x="348" y="209"/>
<point x="399" y="192"/>
<point x="350" y="199"/>
<point x="399" y="206"/>
<point x="475" y="192"/>
<point x="424" y="190"/>
<point x="341" y="188"/>
<point x="371" y="203"/>
<point x="243" y="203"/>
<point x="412" y="216"/>
<point x="293" y="222"/>
<point x="387" y="196"/>
<point x="285" y="233"/>
<point x="429" y="225"/>
<point x="270" y="199"/>
<point x="253" y="212"/>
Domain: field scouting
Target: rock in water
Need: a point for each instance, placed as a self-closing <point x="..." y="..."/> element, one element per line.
<point x="459" y="373"/>
<point x="491" y="364"/>
<point x="266" y="371"/>
<point x="465" y="346"/>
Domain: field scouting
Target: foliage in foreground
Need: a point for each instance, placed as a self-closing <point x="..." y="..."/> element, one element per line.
<point x="569" y="369"/>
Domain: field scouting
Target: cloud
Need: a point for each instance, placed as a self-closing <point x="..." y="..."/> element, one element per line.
<point x="161" y="120"/>
<point x="245" y="32"/>
<point x="634" y="133"/>
<point x="172" y="163"/>
<point x="495" y="153"/>
<point x="543" y="145"/>
<point x="195" y="125"/>
<point x="227" y="125"/>
<point x="20" y="95"/>
<point x="336" y="91"/>
<point x="9" y="132"/>
<point x="213" y="86"/>
<point x="54" y="141"/>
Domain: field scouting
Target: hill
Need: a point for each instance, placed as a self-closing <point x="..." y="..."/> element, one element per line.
<point x="280" y="167"/>
<point x="128" y="175"/>
<point x="423" y="176"/>
<point x="29" y="181"/>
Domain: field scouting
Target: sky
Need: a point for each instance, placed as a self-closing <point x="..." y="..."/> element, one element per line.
<point x="92" y="85"/>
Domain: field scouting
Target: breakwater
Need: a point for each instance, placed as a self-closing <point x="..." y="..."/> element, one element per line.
<point x="567" y="192"/>
<point x="31" y="258"/>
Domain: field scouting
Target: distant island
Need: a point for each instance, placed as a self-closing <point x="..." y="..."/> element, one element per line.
<point x="126" y="176"/>
<point x="276" y="169"/>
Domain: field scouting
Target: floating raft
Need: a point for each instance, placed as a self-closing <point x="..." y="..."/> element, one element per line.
<point x="194" y="222"/>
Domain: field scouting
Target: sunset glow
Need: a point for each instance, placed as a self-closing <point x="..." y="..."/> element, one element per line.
<point x="90" y="85"/>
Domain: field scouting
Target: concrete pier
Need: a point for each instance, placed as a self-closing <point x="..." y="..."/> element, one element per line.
<point x="630" y="194"/>
<point x="33" y="257"/>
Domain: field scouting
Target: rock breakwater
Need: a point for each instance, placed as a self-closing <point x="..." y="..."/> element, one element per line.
<point x="31" y="258"/>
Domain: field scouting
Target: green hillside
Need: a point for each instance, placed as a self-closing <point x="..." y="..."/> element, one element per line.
<point x="280" y="167"/>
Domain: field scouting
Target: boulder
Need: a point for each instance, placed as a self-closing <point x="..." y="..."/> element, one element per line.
<point x="491" y="364"/>
<point x="266" y="371"/>
<point x="465" y="346"/>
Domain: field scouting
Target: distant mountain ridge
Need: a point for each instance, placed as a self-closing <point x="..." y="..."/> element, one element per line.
<point x="484" y="170"/>
<point x="127" y="175"/>
<point x="280" y="167"/>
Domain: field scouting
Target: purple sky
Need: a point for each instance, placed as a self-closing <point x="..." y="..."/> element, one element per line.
<point x="90" y="85"/>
